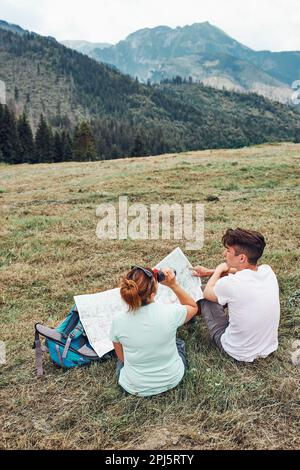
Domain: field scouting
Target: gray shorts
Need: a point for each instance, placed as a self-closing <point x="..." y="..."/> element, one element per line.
<point x="216" y="320"/>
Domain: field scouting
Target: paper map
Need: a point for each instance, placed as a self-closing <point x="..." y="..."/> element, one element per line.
<point x="191" y="284"/>
<point x="96" y="311"/>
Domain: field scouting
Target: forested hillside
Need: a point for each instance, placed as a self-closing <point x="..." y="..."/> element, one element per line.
<point x="86" y="110"/>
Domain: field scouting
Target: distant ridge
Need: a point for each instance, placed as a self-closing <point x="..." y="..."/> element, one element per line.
<point x="205" y="53"/>
<point x="85" y="47"/>
<point x="12" y="27"/>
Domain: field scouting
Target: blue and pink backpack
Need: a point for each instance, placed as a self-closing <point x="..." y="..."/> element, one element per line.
<point x="67" y="344"/>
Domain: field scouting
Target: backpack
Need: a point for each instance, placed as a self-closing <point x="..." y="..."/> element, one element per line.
<point x="67" y="344"/>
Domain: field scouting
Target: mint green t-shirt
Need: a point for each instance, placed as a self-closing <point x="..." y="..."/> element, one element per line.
<point x="152" y="364"/>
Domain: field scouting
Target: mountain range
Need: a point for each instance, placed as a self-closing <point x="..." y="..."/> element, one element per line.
<point x="205" y="53"/>
<point x="45" y="77"/>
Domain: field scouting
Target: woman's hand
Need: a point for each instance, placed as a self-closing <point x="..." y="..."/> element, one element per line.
<point x="170" y="278"/>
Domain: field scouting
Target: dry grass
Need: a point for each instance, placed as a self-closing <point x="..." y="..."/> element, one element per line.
<point x="49" y="253"/>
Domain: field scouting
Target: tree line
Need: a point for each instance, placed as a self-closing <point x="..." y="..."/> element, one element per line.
<point x="18" y="144"/>
<point x="108" y="138"/>
<point x="104" y="138"/>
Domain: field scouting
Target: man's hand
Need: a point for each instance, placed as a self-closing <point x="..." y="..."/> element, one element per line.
<point x="209" y="291"/>
<point x="224" y="270"/>
<point x="201" y="271"/>
<point x="170" y="278"/>
<point x="220" y="271"/>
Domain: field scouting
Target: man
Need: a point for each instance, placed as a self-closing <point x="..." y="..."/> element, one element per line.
<point x="251" y="293"/>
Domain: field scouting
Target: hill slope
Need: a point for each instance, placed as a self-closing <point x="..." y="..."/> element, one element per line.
<point x="14" y="28"/>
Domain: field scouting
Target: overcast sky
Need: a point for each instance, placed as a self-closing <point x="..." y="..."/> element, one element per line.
<point x="259" y="24"/>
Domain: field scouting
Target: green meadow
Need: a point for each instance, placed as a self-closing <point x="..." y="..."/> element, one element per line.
<point x="50" y="252"/>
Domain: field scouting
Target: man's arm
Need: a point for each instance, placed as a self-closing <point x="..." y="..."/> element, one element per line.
<point x="209" y="291"/>
<point x="119" y="351"/>
<point x="201" y="271"/>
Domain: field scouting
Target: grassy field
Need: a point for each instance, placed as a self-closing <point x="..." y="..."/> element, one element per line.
<point x="49" y="253"/>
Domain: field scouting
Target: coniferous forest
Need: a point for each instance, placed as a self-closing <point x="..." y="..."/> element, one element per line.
<point x="101" y="139"/>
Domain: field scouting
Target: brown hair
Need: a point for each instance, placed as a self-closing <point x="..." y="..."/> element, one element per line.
<point x="249" y="242"/>
<point x="136" y="288"/>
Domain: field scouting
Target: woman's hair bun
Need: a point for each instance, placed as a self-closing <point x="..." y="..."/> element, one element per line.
<point x="129" y="284"/>
<point x="130" y="293"/>
<point x="136" y="288"/>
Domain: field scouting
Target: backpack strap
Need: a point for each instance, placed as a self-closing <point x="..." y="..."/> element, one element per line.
<point x="78" y="330"/>
<point x="67" y="345"/>
<point x="38" y="355"/>
<point x="59" y="356"/>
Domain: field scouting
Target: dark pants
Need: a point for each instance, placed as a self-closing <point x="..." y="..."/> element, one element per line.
<point x="216" y="320"/>
<point x="181" y="351"/>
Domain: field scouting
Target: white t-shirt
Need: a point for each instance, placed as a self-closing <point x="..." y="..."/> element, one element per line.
<point x="254" y="312"/>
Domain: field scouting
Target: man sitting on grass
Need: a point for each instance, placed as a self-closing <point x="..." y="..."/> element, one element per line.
<point x="250" y="330"/>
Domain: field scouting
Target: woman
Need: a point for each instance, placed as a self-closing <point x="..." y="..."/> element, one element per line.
<point x="151" y="361"/>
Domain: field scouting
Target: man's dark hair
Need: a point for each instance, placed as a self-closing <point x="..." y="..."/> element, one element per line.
<point x="249" y="242"/>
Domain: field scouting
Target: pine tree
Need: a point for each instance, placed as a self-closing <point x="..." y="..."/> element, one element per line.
<point x="1" y="132"/>
<point x="9" y="144"/>
<point x="297" y="136"/>
<point x="57" y="148"/>
<point x="43" y="142"/>
<point x="17" y="94"/>
<point x="140" y="145"/>
<point x="25" y="140"/>
<point x="84" y="146"/>
<point x="67" y="146"/>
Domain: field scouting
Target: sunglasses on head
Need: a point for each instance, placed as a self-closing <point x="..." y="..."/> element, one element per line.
<point x="148" y="273"/>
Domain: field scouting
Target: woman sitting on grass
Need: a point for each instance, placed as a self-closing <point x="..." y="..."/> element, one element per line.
<point x="150" y="359"/>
